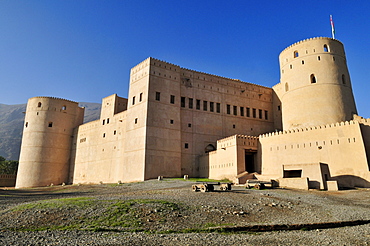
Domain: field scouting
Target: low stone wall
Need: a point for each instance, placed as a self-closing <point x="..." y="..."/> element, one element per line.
<point x="295" y="183"/>
<point x="7" y="180"/>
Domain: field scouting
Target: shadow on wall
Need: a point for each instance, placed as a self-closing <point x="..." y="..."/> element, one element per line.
<point x="350" y="181"/>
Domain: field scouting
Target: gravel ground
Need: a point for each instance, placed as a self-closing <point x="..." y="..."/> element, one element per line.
<point x="168" y="213"/>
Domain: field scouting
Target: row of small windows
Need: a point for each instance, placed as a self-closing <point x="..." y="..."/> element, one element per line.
<point x="140" y="98"/>
<point x="248" y="112"/>
<point x="39" y="104"/>
<point x="318" y="58"/>
<point x="50" y="124"/>
<point x="316" y="144"/>
<point x="114" y="133"/>
<point x="216" y="107"/>
<point x="313" y="80"/>
<point x="105" y="121"/>
<point x="325" y="49"/>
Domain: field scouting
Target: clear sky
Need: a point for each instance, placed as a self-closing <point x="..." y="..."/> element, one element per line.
<point x="83" y="50"/>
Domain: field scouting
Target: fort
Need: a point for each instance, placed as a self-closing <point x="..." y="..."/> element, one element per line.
<point x="303" y="132"/>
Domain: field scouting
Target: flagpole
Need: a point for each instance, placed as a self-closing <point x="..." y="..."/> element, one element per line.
<point x="332" y="26"/>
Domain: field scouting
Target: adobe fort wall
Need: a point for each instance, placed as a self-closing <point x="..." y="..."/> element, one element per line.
<point x="230" y="158"/>
<point x="339" y="145"/>
<point x="196" y="109"/>
<point x="98" y="146"/>
<point x="315" y="86"/>
<point x="46" y="142"/>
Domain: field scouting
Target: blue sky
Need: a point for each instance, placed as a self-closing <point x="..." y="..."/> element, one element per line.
<point x="83" y="50"/>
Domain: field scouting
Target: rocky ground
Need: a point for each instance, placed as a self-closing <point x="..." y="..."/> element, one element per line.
<point x="168" y="212"/>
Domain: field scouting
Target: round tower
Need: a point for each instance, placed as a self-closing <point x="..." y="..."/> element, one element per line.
<point x="47" y="140"/>
<point x="315" y="84"/>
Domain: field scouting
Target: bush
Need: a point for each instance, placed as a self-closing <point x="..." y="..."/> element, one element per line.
<point x="7" y="166"/>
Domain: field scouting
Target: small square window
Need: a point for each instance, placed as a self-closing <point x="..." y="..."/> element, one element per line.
<point x="189" y="125"/>
<point x="171" y="121"/>
<point x="50" y="124"/>
<point x="186" y="145"/>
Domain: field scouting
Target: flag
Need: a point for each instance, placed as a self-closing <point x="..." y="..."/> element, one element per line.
<point x="332" y="26"/>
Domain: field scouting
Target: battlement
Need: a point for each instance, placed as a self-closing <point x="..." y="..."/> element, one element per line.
<point x="55" y="98"/>
<point x="309" y="39"/>
<point x="160" y="63"/>
<point x="314" y="128"/>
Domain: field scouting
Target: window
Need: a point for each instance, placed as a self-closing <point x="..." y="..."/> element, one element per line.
<point x="183" y="102"/>
<point x="136" y="120"/>
<point x="266" y="115"/>
<point x="141" y="97"/>
<point x="260" y="113"/>
<point x="50" y="124"/>
<point x="254" y="113"/>
<point x="133" y="101"/>
<point x="241" y="111"/>
<point x="234" y="126"/>
<point x="286" y="87"/>
<point x="211" y="106"/>
<point x="186" y="145"/>
<point x="114" y="132"/>
<point x="279" y="108"/>
<point x="319" y="58"/>
<point x="189" y="125"/>
<point x="64" y="107"/>
<point x="158" y="96"/>
<point x="235" y="110"/>
<point x="302" y="62"/>
<point x="171" y="121"/>
<point x="228" y="109"/>
<point x="39" y="104"/>
<point x="296" y="54"/>
<point x="103" y="135"/>
<point x="343" y="79"/>
<point x="313" y="79"/>
<point x="248" y="112"/>
<point x="205" y="105"/>
<point x="172" y="99"/>
<point x="198" y="104"/>
<point x="218" y="108"/>
<point x="190" y="102"/>
<point x="103" y="122"/>
<point x="326" y="49"/>
<point x="108" y="121"/>
<point x="26" y="124"/>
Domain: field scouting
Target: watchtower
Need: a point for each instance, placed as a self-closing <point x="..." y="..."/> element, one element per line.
<point x="46" y="142"/>
<point x="315" y="86"/>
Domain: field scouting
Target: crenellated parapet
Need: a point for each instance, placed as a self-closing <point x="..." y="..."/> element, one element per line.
<point x="314" y="128"/>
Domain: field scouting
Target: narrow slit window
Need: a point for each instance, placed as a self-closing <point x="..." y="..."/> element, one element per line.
<point x="183" y="102"/>
<point x="141" y="97"/>
<point x="172" y="100"/>
<point x="190" y="102"/>
<point x="133" y="100"/>
<point x="218" y="108"/>
<point x="343" y="79"/>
